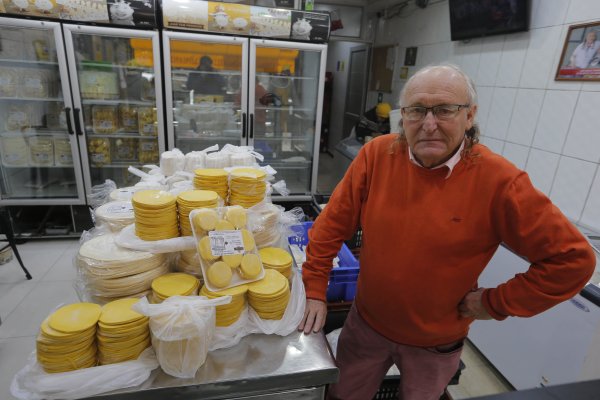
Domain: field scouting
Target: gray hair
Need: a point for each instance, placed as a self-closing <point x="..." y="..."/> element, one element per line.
<point x="472" y="135"/>
<point x="471" y="91"/>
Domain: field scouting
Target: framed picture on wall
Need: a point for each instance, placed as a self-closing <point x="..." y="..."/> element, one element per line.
<point x="580" y="58"/>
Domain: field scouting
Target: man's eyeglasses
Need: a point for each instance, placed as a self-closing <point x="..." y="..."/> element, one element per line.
<point x="442" y="112"/>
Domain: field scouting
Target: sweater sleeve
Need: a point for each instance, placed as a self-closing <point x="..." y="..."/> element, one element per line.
<point x="338" y="222"/>
<point x="562" y="261"/>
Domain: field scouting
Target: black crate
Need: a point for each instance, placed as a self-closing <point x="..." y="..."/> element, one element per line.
<point x="388" y="388"/>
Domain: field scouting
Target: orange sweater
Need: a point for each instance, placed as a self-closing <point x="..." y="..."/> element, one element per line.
<point x="426" y="239"/>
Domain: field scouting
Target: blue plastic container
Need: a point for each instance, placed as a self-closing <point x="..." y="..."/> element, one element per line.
<point x="342" y="280"/>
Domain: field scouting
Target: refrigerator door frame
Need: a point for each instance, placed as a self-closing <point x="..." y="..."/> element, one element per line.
<point x="69" y="29"/>
<point x="199" y="37"/>
<point x="322" y="48"/>
<point x="55" y="27"/>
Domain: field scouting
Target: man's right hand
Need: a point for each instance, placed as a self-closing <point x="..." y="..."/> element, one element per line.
<point x="314" y="316"/>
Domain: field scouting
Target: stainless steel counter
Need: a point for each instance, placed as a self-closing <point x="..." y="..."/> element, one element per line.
<point x="259" y="367"/>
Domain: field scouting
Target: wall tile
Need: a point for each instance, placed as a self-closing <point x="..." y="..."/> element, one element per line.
<point x="537" y="67"/>
<point x="484" y="99"/>
<point x="468" y="56"/>
<point x="555" y="118"/>
<point x="583" y="139"/>
<point x="491" y="51"/>
<point x="582" y="11"/>
<point x="516" y="153"/>
<point x="512" y="59"/>
<point x="500" y="112"/>
<point x="525" y="115"/>
<point x="591" y="212"/>
<point x="548" y="13"/>
<point x="572" y="185"/>
<point x="541" y="167"/>
<point x="494" y="145"/>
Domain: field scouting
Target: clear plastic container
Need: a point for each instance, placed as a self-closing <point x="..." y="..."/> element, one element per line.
<point x="147" y="121"/>
<point x="63" y="154"/>
<point x="41" y="151"/>
<point x="99" y="151"/>
<point x="148" y="151"/>
<point x="105" y="119"/>
<point x="128" y="118"/>
<point x="124" y="149"/>
<point x="15" y="151"/>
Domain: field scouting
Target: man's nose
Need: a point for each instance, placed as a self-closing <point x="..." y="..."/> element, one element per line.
<point x="429" y="122"/>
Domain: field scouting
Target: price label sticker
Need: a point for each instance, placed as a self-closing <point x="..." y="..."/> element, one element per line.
<point x="226" y="242"/>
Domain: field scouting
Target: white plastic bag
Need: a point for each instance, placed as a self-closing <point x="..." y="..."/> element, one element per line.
<point x="292" y="316"/>
<point x="250" y="322"/>
<point x="100" y="194"/>
<point x="33" y="383"/>
<point x="182" y="328"/>
<point x="128" y="239"/>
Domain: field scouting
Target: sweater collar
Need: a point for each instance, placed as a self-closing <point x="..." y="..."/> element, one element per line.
<point x="450" y="164"/>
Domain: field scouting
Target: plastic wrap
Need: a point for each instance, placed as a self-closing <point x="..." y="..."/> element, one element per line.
<point x="225" y="244"/>
<point x="171" y="162"/>
<point x="115" y="214"/>
<point x="250" y="323"/>
<point x="108" y="272"/>
<point x="101" y="193"/>
<point x="271" y="224"/>
<point x="32" y="383"/>
<point x="182" y="328"/>
<point x="196" y="159"/>
<point x="128" y="239"/>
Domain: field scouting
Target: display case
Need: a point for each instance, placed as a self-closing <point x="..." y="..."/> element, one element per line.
<point x="38" y="147"/>
<point x="115" y="77"/>
<point x="256" y="92"/>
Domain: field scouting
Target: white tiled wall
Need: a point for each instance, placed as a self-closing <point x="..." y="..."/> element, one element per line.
<point x="549" y="128"/>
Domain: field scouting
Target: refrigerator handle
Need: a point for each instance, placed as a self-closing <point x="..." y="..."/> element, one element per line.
<point x="244" y="125"/>
<point x="251" y="136"/>
<point x="69" y="125"/>
<point x="76" y="112"/>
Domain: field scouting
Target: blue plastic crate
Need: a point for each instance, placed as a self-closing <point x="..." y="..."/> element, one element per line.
<point x="342" y="280"/>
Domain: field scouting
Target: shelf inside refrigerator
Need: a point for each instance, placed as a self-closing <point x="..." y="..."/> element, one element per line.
<point x="119" y="135"/>
<point x="117" y="102"/>
<point x="32" y="98"/>
<point x="32" y="62"/>
<point x="286" y="77"/>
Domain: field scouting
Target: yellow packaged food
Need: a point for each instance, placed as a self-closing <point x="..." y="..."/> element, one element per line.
<point x="124" y="149"/>
<point x="63" y="154"/>
<point x="41" y="151"/>
<point x="105" y="119"/>
<point x="128" y="118"/>
<point x="147" y="121"/>
<point x="99" y="151"/>
<point x="148" y="151"/>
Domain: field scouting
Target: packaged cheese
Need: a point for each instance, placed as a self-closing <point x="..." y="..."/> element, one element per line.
<point x="99" y="151"/>
<point x="41" y="151"/>
<point x="147" y="121"/>
<point x="15" y="151"/>
<point x="9" y="78"/>
<point x="148" y="151"/>
<point x="128" y="118"/>
<point x="63" y="154"/>
<point x="124" y="149"/>
<point x="105" y="119"/>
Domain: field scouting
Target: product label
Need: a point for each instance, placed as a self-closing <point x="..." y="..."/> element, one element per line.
<point x="148" y="146"/>
<point x="226" y="242"/>
<point x="33" y="82"/>
<point x="120" y="209"/>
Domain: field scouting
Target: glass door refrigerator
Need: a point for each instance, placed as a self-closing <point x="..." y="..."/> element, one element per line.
<point x="117" y="97"/>
<point x="262" y="93"/>
<point x="286" y="83"/>
<point x="38" y="147"/>
<point x="206" y="90"/>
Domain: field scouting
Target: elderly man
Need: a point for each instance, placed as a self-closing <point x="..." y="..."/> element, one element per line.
<point x="585" y="51"/>
<point x="434" y="205"/>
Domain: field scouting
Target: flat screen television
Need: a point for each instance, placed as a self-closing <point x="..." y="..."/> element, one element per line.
<point x="478" y="18"/>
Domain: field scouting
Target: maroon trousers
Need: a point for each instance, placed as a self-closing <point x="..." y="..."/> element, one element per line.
<point x="364" y="357"/>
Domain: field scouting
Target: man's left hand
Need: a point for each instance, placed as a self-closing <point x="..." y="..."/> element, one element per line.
<point x="471" y="306"/>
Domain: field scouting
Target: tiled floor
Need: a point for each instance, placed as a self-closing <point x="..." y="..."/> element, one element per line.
<point x="24" y="304"/>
